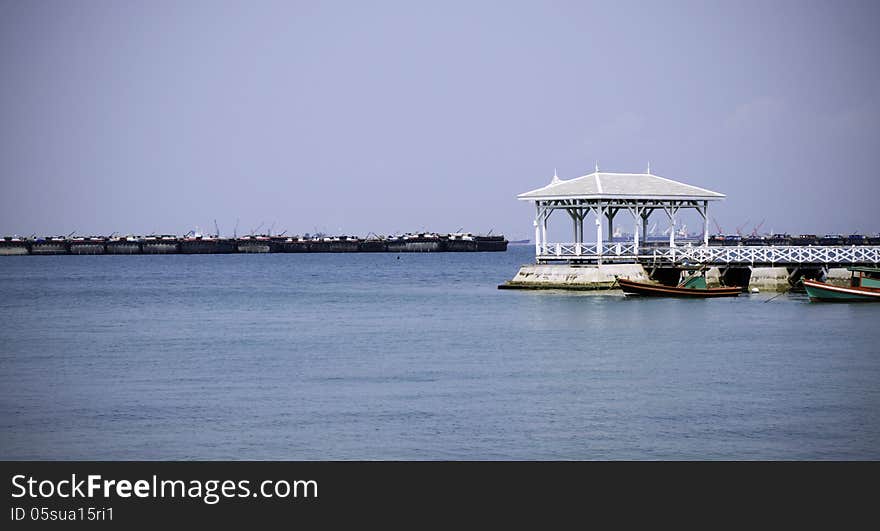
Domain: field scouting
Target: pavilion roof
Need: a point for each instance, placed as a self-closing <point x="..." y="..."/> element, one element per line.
<point x="607" y="185"/>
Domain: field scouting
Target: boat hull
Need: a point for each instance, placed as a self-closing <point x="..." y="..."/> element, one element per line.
<point x="254" y="247"/>
<point x="461" y="245"/>
<point x="86" y="248"/>
<point x="822" y="292"/>
<point x="657" y="290"/>
<point x="490" y="244"/>
<point x="123" y="247"/>
<point x="50" y="248"/>
<point x="207" y="247"/>
<point x="414" y="245"/>
<point x="337" y="246"/>
<point x="294" y="247"/>
<point x="159" y="247"/>
<point x="13" y="248"/>
<point x="373" y="246"/>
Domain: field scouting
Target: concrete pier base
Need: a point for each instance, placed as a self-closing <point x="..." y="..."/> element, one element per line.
<point x="713" y="278"/>
<point x="574" y="277"/>
<point x="593" y="277"/>
<point x="735" y="276"/>
<point x="839" y="276"/>
<point x="770" y="279"/>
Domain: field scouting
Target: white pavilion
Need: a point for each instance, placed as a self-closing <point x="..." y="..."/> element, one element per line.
<point x="603" y="195"/>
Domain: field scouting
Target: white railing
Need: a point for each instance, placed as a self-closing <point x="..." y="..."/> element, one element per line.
<point x="790" y="254"/>
<point x="700" y="254"/>
<point x="585" y="250"/>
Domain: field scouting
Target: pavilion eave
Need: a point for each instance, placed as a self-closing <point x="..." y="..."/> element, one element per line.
<point x="621" y="197"/>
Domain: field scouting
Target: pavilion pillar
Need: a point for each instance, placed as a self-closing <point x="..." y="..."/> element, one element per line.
<point x="544" y="228"/>
<point x="645" y="214"/>
<point x="574" y="223"/>
<point x="706" y="223"/>
<point x="600" y="212"/>
<point x="670" y="211"/>
<point x="610" y="213"/>
<point x="580" y="222"/>
<point x="537" y="224"/>
<point x="636" y="230"/>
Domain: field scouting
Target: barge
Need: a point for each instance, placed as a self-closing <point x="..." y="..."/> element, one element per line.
<point x="199" y="244"/>
<point x="13" y="245"/>
<point x="254" y="244"/>
<point x="50" y="245"/>
<point x="123" y="245"/>
<point x="87" y="245"/>
<point x="160" y="244"/>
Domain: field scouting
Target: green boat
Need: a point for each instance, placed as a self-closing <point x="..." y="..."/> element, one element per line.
<point x="693" y="286"/>
<point x="864" y="286"/>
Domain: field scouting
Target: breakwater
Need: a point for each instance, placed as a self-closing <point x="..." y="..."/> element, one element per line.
<point x="172" y="244"/>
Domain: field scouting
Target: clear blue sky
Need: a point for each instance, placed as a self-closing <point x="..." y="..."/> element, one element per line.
<point x="390" y="116"/>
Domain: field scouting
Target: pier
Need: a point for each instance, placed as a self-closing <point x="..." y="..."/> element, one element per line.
<point x="252" y="244"/>
<point x="603" y="197"/>
<point x="689" y="254"/>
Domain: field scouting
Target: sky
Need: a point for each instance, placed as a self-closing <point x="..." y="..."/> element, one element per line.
<point x="357" y="117"/>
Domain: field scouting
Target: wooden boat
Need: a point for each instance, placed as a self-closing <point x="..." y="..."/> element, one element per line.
<point x="694" y="287"/>
<point x="864" y="287"/>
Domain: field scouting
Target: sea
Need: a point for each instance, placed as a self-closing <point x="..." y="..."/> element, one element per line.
<point x="415" y="357"/>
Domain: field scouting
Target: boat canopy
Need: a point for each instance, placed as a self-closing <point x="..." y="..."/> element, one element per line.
<point x="864" y="269"/>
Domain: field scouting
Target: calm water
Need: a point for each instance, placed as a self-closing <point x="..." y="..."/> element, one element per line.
<point x="367" y="356"/>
